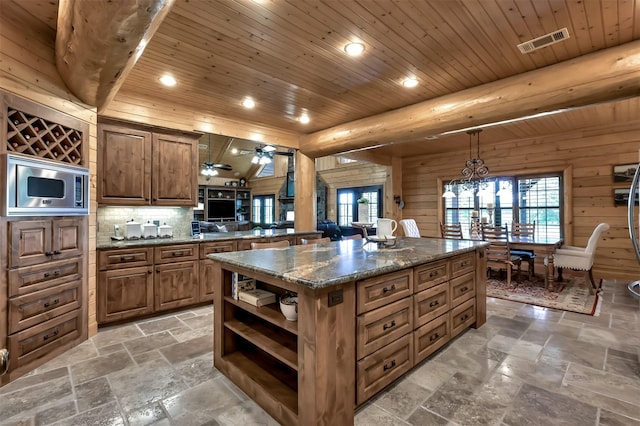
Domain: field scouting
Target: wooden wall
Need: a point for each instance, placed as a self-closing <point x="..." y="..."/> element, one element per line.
<point x="338" y="176"/>
<point x="27" y="69"/>
<point x="589" y="154"/>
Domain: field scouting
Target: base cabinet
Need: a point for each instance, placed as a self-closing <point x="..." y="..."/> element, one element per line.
<point x="125" y="293"/>
<point x="46" y="290"/>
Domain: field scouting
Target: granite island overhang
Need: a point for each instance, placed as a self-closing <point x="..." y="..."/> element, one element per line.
<point x="367" y="314"/>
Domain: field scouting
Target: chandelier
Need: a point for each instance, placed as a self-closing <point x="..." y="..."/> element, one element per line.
<point x="474" y="174"/>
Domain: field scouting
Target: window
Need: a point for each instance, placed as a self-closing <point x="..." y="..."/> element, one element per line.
<point x="514" y="199"/>
<point x="267" y="170"/>
<point x="348" y="204"/>
<point x="264" y="210"/>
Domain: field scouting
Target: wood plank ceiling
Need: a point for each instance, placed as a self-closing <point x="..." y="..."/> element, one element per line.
<point x="288" y="56"/>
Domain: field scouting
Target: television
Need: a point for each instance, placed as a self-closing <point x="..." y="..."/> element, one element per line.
<point x="221" y="209"/>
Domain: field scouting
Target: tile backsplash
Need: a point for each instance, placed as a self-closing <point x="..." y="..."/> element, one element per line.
<point x="178" y="217"/>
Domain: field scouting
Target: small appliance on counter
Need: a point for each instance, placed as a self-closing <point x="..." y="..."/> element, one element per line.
<point x="116" y="233"/>
<point x="134" y="232"/>
<point x="165" y="231"/>
<point x="149" y="230"/>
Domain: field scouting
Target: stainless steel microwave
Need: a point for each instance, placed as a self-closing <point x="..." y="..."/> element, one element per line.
<point x="44" y="188"/>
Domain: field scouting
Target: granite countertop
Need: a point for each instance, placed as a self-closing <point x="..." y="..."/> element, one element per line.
<point x="322" y="265"/>
<point x="107" y="243"/>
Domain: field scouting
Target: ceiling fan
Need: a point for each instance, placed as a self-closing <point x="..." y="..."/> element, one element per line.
<point x="211" y="169"/>
<point x="264" y="154"/>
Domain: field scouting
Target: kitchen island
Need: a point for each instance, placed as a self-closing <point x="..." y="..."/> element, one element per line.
<point x="367" y="314"/>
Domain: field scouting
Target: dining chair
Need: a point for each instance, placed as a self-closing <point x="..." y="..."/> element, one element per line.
<point x="498" y="254"/>
<point x="579" y="258"/>
<point x="315" y="240"/>
<point x="352" y="237"/>
<point x="527" y="230"/>
<point x="275" y="244"/>
<point x="451" y="232"/>
<point x="475" y="230"/>
<point x="410" y="228"/>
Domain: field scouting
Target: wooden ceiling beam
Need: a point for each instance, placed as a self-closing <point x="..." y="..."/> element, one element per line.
<point x="603" y="76"/>
<point x="97" y="46"/>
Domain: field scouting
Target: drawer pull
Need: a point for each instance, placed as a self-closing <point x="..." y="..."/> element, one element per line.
<point x="55" y="274"/>
<point x="55" y="302"/>
<point x="434" y="337"/>
<point x="433" y="274"/>
<point x="387" y="326"/>
<point x="49" y="336"/>
<point x="177" y="253"/>
<point x="127" y="258"/>
<point x="465" y="263"/>
<point x="434" y="303"/>
<point x="387" y="290"/>
<point x="463" y="289"/>
<point x="390" y="365"/>
<point x="464" y="317"/>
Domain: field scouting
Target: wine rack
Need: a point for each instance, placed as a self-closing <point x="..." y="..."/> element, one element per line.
<point x="31" y="135"/>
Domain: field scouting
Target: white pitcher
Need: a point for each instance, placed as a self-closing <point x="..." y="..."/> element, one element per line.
<point x="386" y="227"/>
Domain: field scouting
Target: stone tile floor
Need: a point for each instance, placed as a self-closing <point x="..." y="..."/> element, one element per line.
<point x="525" y="366"/>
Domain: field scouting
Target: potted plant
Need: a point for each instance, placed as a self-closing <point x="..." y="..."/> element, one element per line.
<point x="363" y="209"/>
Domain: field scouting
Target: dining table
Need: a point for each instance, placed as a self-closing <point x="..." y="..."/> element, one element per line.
<point x="542" y="246"/>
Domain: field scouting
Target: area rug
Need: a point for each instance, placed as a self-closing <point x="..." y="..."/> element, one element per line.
<point x="571" y="295"/>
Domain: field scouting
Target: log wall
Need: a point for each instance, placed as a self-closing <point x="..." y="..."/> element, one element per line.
<point x="589" y="153"/>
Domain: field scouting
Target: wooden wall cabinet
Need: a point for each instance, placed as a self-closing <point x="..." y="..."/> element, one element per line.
<point x="142" y="166"/>
<point x="46" y="291"/>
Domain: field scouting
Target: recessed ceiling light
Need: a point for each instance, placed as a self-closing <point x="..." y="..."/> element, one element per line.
<point x="248" y="103"/>
<point x="168" y="80"/>
<point x="410" y="82"/>
<point x="234" y="150"/>
<point x="304" y="119"/>
<point x="354" y="49"/>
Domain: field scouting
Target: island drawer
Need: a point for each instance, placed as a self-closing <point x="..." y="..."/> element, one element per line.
<point x="462" y="288"/>
<point x="427" y="276"/>
<point x="176" y="253"/>
<point x="382" y="326"/>
<point x="246" y="244"/>
<point x="119" y="258"/>
<point x="463" y="316"/>
<point x="381" y="368"/>
<point x="431" y="337"/>
<point x="431" y="303"/>
<point x="462" y="264"/>
<point x="39" y="306"/>
<point x="380" y="291"/>
<point x="39" y="277"/>
<point x="217" y="247"/>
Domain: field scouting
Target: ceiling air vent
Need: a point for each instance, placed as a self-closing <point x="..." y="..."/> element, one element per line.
<point x="544" y="41"/>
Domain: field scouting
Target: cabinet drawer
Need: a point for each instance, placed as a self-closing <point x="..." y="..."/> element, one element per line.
<point x="124" y="258"/>
<point x="462" y="288"/>
<point x="431" y="303"/>
<point x="380" y="291"/>
<point x="462" y="264"/>
<point x="176" y="253"/>
<point x="381" y="368"/>
<point x="431" y="337"/>
<point x="38" y="341"/>
<point x="427" y="276"/>
<point x="39" y="306"/>
<point x="382" y="326"/>
<point x="463" y="316"/>
<point x="219" y="247"/>
<point x="39" y="277"/>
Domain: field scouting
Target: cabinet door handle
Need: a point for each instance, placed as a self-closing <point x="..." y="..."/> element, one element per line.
<point x="57" y="252"/>
<point x="434" y="303"/>
<point x="150" y="271"/>
<point x="390" y="365"/>
<point x="387" y="290"/>
<point x="158" y="270"/>
<point x="48" y="253"/>
<point x="391" y="324"/>
<point x="49" y="336"/>
<point x="52" y="303"/>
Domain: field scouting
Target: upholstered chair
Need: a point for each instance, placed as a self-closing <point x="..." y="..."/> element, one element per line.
<point x="410" y="228"/>
<point x="580" y="258"/>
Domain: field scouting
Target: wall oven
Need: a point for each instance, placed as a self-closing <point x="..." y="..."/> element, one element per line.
<point x="44" y="188"/>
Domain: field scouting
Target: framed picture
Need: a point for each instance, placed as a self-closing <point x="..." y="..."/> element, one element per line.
<point x="291" y="191"/>
<point x="621" y="196"/>
<point x="624" y="172"/>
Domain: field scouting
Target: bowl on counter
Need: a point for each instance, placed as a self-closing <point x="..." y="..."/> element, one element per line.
<point x="289" y="306"/>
